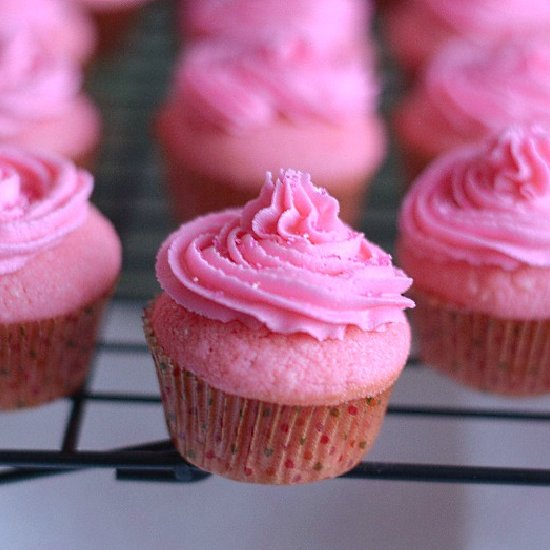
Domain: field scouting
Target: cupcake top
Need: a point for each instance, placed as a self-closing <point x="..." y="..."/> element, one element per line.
<point x="486" y="207"/>
<point x="60" y="26"/>
<point x="42" y="200"/>
<point x="284" y="261"/>
<point x="468" y="92"/>
<point x="35" y="85"/>
<point x="323" y="24"/>
<point x="237" y="88"/>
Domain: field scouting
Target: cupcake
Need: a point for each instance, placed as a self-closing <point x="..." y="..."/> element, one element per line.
<point x="237" y="109"/>
<point x="468" y="93"/>
<point x="59" y="261"/>
<point x="42" y="105"/>
<point x="277" y="338"/>
<point x="475" y="236"/>
<point x="60" y="26"/>
<point x="415" y="30"/>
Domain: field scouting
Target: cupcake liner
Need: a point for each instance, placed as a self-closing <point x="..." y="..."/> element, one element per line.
<point x="255" y="441"/>
<point x="503" y="356"/>
<point x="46" y="359"/>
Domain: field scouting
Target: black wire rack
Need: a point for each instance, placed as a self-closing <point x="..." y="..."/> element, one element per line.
<point x="129" y="88"/>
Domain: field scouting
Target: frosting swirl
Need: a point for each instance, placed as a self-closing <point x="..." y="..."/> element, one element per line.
<point x="285" y="260"/>
<point x="477" y="91"/>
<point x="486" y="205"/>
<point x="34" y="84"/>
<point x="42" y="199"/>
<point x="238" y="88"/>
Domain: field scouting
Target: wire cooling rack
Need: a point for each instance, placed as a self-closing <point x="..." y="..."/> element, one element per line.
<point x="129" y="88"/>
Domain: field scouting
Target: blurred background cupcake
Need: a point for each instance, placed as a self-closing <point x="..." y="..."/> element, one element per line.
<point x="42" y="105"/>
<point x="468" y="92"/>
<point x="59" y="262"/>
<point x="289" y="92"/>
<point x="475" y="238"/>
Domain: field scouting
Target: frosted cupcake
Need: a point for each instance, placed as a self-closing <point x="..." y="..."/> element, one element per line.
<point x="59" y="261"/>
<point x="475" y="236"/>
<point x="278" y="337"/>
<point x="42" y="106"/>
<point x="417" y="29"/>
<point x="236" y="110"/>
<point x="468" y="93"/>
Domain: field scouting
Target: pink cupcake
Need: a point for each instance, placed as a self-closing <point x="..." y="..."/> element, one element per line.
<point x="475" y="236"/>
<point x="278" y="337"/>
<point x="235" y="109"/>
<point x="59" y="261"/>
<point x="60" y="26"/>
<point x="417" y="29"/>
<point x="469" y="92"/>
<point x="42" y="105"/>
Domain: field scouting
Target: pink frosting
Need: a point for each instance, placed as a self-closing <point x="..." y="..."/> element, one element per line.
<point x="238" y="87"/>
<point x="42" y="199"/>
<point x="34" y="84"/>
<point x="469" y="92"/>
<point x="324" y="24"/>
<point x="495" y="17"/>
<point x="285" y="261"/>
<point x="485" y="205"/>
<point x="59" y="26"/>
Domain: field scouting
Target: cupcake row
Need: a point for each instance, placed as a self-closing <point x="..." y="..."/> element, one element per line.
<point x="280" y="330"/>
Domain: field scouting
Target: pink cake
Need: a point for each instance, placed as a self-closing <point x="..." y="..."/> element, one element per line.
<point x="417" y="29"/>
<point x="475" y="236"/>
<point x="60" y="25"/>
<point x="42" y="106"/>
<point x="235" y="110"/>
<point x="278" y="337"/>
<point x="468" y="92"/>
<point x="59" y="261"/>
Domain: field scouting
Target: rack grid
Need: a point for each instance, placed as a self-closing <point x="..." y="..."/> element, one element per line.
<point x="129" y="88"/>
